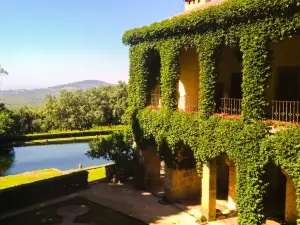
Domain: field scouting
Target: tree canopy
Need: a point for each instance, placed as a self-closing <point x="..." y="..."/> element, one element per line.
<point x="79" y="110"/>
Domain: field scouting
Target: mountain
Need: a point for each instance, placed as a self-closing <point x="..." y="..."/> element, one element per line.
<point x="35" y="97"/>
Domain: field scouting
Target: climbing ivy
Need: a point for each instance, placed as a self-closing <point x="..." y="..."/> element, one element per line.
<point x="251" y="25"/>
<point x="208" y="48"/>
<point x="224" y="16"/>
<point x="249" y="145"/>
<point x="284" y="149"/>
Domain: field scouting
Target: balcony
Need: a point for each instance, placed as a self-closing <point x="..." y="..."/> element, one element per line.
<point x="187" y="104"/>
<point x="230" y="106"/>
<point x="286" y="111"/>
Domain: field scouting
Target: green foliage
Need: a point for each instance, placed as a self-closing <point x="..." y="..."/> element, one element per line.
<point x="25" y="121"/>
<point x="6" y="121"/>
<point x="251" y="26"/>
<point x="284" y="149"/>
<point x="213" y="18"/>
<point x="7" y="159"/>
<point x="137" y="91"/>
<point x="82" y="110"/>
<point x="169" y="73"/>
<point x="246" y="144"/>
<point x="79" y="110"/>
<point x="208" y="48"/>
<point x="117" y="148"/>
<point x="61" y="134"/>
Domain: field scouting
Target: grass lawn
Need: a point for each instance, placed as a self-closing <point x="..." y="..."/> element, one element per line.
<point x="14" y="180"/>
<point x="97" y="214"/>
<point x="96" y="174"/>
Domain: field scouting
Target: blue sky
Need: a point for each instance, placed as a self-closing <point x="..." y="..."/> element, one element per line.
<point x="49" y="42"/>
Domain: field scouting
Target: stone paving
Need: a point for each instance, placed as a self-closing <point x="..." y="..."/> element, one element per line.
<point x="69" y="213"/>
<point x="139" y="204"/>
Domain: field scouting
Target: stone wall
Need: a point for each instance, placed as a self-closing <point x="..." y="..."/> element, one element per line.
<point x="181" y="184"/>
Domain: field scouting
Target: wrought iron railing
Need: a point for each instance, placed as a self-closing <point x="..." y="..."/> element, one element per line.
<point x="287" y="111"/>
<point x="155" y="100"/>
<point x="230" y="106"/>
<point x="188" y="104"/>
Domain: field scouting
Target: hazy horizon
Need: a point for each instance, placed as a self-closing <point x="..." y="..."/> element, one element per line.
<point x="42" y="87"/>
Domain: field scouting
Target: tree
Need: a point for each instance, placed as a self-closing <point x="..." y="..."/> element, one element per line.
<point x="117" y="148"/>
<point x="6" y="121"/>
<point x="24" y="121"/>
<point x="79" y="110"/>
<point x="7" y="158"/>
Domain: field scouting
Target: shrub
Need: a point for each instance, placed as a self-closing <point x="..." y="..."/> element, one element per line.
<point x="61" y="134"/>
<point x="116" y="148"/>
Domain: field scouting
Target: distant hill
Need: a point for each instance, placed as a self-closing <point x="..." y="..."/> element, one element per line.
<point x="35" y="97"/>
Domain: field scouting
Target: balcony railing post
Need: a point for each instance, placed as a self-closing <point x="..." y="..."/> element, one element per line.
<point x="286" y="111"/>
<point x="230" y="106"/>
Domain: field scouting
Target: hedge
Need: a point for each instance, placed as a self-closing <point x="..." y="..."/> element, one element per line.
<point x="28" y="194"/>
<point x="63" y="134"/>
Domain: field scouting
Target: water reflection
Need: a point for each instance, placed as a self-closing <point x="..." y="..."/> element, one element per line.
<point x="7" y="159"/>
<point x="32" y="158"/>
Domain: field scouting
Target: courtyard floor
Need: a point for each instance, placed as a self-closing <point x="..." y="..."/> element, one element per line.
<point x="106" y="203"/>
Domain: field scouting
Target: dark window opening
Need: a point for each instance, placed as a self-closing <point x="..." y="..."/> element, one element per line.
<point x="288" y="84"/>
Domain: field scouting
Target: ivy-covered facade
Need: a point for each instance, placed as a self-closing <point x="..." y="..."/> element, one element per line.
<point x="225" y="75"/>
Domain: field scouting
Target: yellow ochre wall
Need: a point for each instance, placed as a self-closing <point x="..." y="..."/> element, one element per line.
<point x="284" y="54"/>
<point x="188" y="76"/>
<point x="194" y="4"/>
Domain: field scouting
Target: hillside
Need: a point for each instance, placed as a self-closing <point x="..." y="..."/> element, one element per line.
<point x="35" y="97"/>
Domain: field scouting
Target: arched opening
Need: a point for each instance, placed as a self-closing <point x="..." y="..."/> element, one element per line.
<point x="274" y="200"/>
<point x="280" y="198"/>
<point x="218" y="197"/>
<point x="283" y="95"/>
<point x="226" y="187"/>
<point x="153" y="81"/>
<point x="188" y="84"/>
<point x="229" y="85"/>
<point x="222" y="178"/>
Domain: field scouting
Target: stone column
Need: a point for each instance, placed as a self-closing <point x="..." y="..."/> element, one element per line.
<point x="209" y="190"/>
<point x="151" y="162"/>
<point x="231" y="185"/>
<point x="290" y="201"/>
<point x="147" y="167"/>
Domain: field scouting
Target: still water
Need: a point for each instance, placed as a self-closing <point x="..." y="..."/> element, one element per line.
<point x="62" y="157"/>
